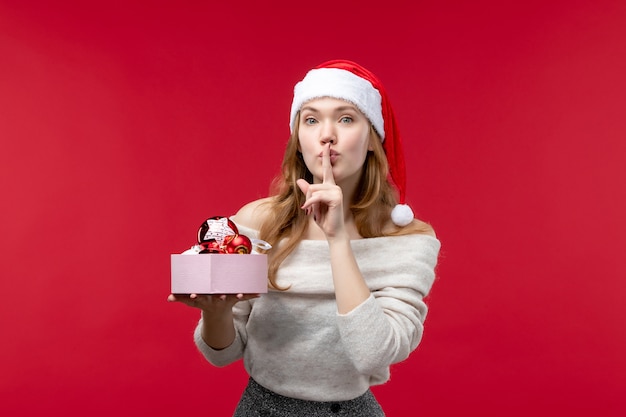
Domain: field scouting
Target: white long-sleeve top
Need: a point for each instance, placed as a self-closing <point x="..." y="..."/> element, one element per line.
<point x="296" y="344"/>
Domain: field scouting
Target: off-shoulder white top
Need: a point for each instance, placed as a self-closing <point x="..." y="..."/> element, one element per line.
<point x="296" y="344"/>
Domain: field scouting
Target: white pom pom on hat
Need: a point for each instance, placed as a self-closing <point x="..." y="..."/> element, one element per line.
<point x="349" y="81"/>
<point x="402" y="215"/>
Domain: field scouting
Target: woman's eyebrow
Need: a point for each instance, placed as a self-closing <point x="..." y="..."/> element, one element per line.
<point x="345" y="108"/>
<point x="308" y="108"/>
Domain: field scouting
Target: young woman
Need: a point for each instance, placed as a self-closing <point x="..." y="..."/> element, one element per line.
<point x="349" y="268"/>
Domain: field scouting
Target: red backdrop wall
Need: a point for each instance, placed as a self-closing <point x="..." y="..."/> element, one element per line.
<point x="123" y="125"/>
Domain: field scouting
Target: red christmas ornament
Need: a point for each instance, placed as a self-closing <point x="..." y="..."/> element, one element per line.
<point x="217" y="228"/>
<point x="220" y="235"/>
<point x="239" y="244"/>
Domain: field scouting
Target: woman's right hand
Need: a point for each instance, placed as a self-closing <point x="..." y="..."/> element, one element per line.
<point x="211" y="305"/>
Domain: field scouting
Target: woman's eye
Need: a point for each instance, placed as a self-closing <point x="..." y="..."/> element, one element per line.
<point x="346" y="119"/>
<point x="309" y="121"/>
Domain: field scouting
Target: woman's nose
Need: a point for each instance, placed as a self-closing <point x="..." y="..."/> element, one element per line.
<point x="328" y="134"/>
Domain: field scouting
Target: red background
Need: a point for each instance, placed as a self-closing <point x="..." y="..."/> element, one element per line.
<point x="125" y="124"/>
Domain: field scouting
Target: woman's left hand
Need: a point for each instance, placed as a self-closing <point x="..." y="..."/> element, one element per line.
<point x="325" y="200"/>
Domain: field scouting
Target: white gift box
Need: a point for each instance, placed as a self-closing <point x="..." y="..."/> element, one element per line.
<point x="219" y="273"/>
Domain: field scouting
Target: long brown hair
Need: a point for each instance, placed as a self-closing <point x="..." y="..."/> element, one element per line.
<point x="371" y="205"/>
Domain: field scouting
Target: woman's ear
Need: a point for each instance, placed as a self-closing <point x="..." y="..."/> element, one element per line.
<point x="374" y="136"/>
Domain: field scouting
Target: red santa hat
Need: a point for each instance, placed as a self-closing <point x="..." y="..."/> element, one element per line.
<point x="349" y="81"/>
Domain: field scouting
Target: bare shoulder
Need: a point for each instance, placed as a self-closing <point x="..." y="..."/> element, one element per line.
<point x="253" y="214"/>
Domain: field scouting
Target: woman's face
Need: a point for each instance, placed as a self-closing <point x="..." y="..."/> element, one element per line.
<point x="337" y="121"/>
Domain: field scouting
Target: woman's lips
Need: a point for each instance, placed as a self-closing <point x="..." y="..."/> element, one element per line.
<point x="333" y="156"/>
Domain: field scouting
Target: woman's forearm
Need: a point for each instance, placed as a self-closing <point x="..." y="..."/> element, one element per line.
<point x="350" y="287"/>
<point x="218" y="332"/>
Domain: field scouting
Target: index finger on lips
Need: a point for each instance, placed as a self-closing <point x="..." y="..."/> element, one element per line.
<point x="327" y="168"/>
